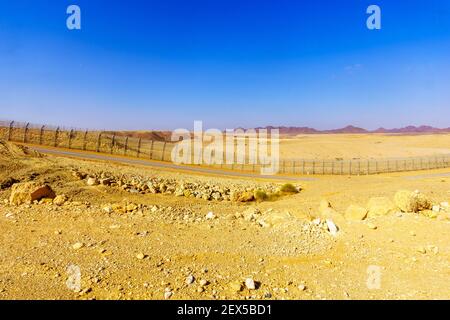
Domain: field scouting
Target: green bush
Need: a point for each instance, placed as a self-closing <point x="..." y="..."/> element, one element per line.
<point x="261" y="195"/>
<point x="288" y="188"/>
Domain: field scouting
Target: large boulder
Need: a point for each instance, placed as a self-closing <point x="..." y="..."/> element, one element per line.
<point x="28" y="192"/>
<point x="380" y="206"/>
<point x="409" y="201"/>
<point x="276" y="218"/>
<point x="355" y="213"/>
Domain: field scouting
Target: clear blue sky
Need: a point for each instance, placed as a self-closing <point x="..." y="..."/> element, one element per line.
<point x="163" y="64"/>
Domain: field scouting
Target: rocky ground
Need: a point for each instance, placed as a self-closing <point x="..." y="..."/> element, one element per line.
<point x="74" y="229"/>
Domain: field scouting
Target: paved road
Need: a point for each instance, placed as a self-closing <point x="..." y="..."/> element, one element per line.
<point x="168" y="165"/>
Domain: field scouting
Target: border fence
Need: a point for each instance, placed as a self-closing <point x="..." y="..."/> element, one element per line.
<point x="113" y="143"/>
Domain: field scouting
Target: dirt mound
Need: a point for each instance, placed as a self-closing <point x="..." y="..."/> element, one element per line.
<point x="10" y="150"/>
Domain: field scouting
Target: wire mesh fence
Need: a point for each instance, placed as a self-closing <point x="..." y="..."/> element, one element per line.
<point x="119" y="144"/>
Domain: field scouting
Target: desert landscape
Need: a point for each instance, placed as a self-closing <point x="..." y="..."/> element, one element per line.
<point x="143" y="232"/>
<point x="202" y="154"/>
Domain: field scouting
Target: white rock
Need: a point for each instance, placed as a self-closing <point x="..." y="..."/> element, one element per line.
<point x="92" y="182"/>
<point x="250" y="284"/>
<point x="168" y="294"/>
<point x="190" y="280"/>
<point x="436" y="208"/>
<point x="210" y="216"/>
<point x="332" y="228"/>
<point x="107" y="209"/>
<point x="302" y="287"/>
<point x="78" y="245"/>
<point x="444" y="204"/>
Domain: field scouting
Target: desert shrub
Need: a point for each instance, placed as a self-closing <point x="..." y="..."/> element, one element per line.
<point x="261" y="195"/>
<point x="288" y="188"/>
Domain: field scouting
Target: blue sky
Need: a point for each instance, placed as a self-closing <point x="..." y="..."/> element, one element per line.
<point x="163" y="64"/>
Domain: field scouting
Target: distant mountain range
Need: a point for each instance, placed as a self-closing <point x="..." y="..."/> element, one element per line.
<point x="353" y="129"/>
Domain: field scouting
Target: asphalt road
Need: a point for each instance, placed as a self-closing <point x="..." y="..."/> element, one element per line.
<point x="83" y="155"/>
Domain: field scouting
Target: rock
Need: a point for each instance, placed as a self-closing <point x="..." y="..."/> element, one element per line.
<point x="92" y="182"/>
<point x="250" y="284"/>
<point x="200" y="289"/>
<point x="7" y="183"/>
<point x="167" y="294"/>
<point x="301" y="287"/>
<point x="190" y="280"/>
<point x="235" y="286"/>
<point x="140" y="256"/>
<point x="78" y="246"/>
<point x="332" y="228"/>
<point x="130" y="207"/>
<point x="372" y="226"/>
<point x="430" y="213"/>
<point x="203" y="282"/>
<point x="276" y="218"/>
<point x="60" y="200"/>
<point x="46" y="201"/>
<point x="380" y="206"/>
<point x="355" y="213"/>
<point x="421" y="250"/>
<point x="409" y="201"/>
<point x="28" y="192"/>
<point x="330" y="213"/>
<point x="210" y="216"/>
<point x="436" y="208"/>
<point x="107" y="209"/>
<point x="106" y="181"/>
<point x="251" y="214"/>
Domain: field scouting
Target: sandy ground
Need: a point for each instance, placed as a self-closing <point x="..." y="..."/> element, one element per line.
<point x="364" y="146"/>
<point x="291" y="260"/>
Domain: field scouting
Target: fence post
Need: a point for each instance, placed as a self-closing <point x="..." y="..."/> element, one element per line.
<point x="350" y="168"/>
<point x="41" y="134"/>
<point x="25" y="132"/>
<point x="113" y="140"/>
<point x="342" y="167"/>
<point x="55" y="143"/>
<point x="10" y="130"/>
<point x="151" y="150"/>
<point x="368" y="167"/>
<point x="139" y="147"/>
<point x="70" y="138"/>
<point x="98" y="142"/>
<point x="125" y="147"/>
<point x="293" y="167"/>
<point x="314" y="167"/>
<point x="323" y="167"/>
<point x="84" y="139"/>
<point x="164" y="150"/>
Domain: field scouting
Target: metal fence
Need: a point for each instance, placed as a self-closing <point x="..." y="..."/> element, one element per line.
<point x="120" y="144"/>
